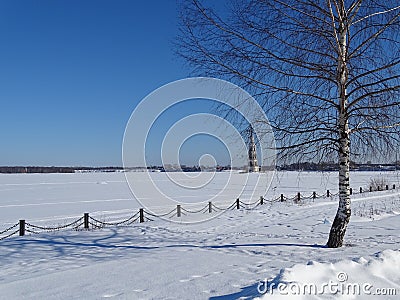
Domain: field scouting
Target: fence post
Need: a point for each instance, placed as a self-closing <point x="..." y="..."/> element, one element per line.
<point x="21" y="227"/>
<point x="141" y="215"/>
<point x="327" y="193"/>
<point x="178" y="210"/>
<point x="379" y="187"/>
<point x="387" y="187"/>
<point x="282" y="198"/>
<point x="394" y="186"/>
<point x="314" y="195"/>
<point x="360" y="190"/>
<point x="261" y="200"/>
<point x="237" y="203"/>
<point x="351" y="191"/>
<point x="86" y="220"/>
<point x="298" y="197"/>
<point x="370" y="188"/>
<point x="209" y="207"/>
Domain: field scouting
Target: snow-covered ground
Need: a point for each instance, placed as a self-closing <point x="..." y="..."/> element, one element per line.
<point x="234" y="255"/>
<point x="55" y="197"/>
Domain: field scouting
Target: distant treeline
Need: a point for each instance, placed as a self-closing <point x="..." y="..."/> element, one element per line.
<point x="32" y="169"/>
<point x="309" y="166"/>
<point x="303" y="166"/>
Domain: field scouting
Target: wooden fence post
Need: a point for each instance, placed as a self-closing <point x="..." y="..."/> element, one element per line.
<point x="370" y="188"/>
<point x="282" y="198"/>
<point x="141" y="215"/>
<point x="379" y="187"/>
<point x="394" y="186"/>
<point x="351" y="191"/>
<point x="21" y="227"/>
<point x="261" y="200"/>
<point x="361" y="190"/>
<point x="314" y="195"/>
<point x="387" y="187"/>
<point x="327" y="193"/>
<point x="209" y="207"/>
<point x="298" y="197"/>
<point x="86" y="220"/>
<point x="178" y="210"/>
<point x="237" y="203"/>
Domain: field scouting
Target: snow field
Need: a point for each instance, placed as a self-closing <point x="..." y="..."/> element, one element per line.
<point x="59" y="198"/>
<point x="225" y="258"/>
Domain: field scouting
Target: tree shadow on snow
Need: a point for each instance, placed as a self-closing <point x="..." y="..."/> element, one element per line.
<point x="255" y="290"/>
<point x="93" y="247"/>
<point x="266" y="245"/>
<point x="245" y="292"/>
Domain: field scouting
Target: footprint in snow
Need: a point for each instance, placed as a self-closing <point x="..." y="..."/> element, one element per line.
<point x="192" y="278"/>
<point x="112" y="295"/>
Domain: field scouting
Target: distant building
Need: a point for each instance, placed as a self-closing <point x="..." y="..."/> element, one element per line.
<point x="253" y="164"/>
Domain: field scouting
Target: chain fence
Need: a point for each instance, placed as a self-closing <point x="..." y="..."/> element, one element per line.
<point x="88" y="222"/>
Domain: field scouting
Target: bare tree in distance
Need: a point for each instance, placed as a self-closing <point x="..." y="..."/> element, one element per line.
<point x="326" y="73"/>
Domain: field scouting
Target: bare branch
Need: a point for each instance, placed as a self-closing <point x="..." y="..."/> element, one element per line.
<point x="377" y="13"/>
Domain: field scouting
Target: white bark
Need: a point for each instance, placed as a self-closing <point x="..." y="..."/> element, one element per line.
<point x="343" y="214"/>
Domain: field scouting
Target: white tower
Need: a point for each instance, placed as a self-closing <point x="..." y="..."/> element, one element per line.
<point x="253" y="164"/>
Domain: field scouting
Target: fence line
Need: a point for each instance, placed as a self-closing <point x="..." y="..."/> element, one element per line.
<point x="87" y="222"/>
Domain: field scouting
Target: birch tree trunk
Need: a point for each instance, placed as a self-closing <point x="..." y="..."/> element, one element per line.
<point x="342" y="218"/>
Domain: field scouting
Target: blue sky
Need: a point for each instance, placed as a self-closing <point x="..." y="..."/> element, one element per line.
<point x="71" y="72"/>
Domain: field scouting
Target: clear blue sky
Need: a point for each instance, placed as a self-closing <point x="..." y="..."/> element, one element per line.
<point x="71" y="72"/>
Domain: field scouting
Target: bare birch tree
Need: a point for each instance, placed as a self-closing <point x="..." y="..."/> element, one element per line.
<point x="326" y="72"/>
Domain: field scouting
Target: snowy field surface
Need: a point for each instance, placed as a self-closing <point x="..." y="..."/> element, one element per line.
<point x="55" y="197"/>
<point x="235" y="255"/>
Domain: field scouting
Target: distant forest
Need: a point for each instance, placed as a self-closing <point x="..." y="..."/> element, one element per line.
<point x="301" y="166"/>
<point x="309" y="166"/>
<point x="31" y="169"/>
